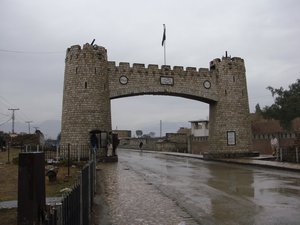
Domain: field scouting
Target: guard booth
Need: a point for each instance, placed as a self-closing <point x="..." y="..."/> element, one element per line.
<point x="99" y="142"/>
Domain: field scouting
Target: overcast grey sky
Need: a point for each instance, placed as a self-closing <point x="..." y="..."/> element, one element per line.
<point x="35" y="35"/>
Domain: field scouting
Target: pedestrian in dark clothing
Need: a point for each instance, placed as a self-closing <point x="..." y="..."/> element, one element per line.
<point x="94" y="141"/>
<point x="141" y="145"/>
<point x="115" y="143"/>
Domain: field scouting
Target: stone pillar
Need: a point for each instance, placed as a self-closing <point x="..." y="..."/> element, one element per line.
<point x="86" y="102"/>
<point x="230" y="129"/>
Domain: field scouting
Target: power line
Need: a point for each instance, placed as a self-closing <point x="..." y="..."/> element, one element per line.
<point x="7" y="104"/>
<point x="5" y="122"/>
<point x="4" y="101"/>
<point x="29" y="52"/>
<point x="3" y="114"/>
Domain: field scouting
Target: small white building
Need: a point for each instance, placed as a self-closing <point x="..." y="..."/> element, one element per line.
<point x="199" y="128"/>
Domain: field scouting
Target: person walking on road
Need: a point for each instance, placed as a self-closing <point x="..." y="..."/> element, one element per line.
<point x="115" y="143"/>
<point x="141" y="145"/>
<point x="274" y="145"/>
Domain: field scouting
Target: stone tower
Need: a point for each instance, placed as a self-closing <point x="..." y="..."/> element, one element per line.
<point x="230" y="129"/>
<point x="86" y="101"/>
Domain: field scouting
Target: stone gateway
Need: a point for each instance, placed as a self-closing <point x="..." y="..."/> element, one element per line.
<point x="91" y="81"/>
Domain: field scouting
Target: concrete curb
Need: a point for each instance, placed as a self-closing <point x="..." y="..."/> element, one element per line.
<point x="263" y="163"/>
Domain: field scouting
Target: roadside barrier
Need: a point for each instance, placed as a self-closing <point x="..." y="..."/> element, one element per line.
<point x="76" y="205"/>
<point x="288" y="155"/>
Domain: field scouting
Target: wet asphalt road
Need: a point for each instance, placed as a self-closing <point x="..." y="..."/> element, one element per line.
<point x="221" y="193"/>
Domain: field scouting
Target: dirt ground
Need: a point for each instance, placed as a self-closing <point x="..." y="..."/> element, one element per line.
<point x="8" y="176"/>
<point x="8" y="216"/>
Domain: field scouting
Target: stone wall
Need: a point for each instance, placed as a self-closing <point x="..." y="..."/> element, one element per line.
<point x="176" y="137"/>
<point x="198" y="145"/>
<point x="261" y="142"/>
<point x="139" y="80"/>
<point x="148" y="143"/>
<point x="123" y="133"/>
<point x="168" y="146"/>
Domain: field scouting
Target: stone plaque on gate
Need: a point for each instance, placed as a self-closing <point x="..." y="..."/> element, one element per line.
<point x="166" y="80"/>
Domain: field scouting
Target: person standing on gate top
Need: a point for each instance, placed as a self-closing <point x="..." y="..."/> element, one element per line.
<point x="274" y="145"/>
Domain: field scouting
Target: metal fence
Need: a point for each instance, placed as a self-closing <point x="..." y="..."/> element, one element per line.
<point x="61" y="152"/>
<point x="288" y="155"/>
<point x="76" y="206"/>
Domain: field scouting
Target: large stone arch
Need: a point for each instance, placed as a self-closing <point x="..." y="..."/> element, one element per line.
<point x="188" y="83"/>
<point x="91" y="81"/>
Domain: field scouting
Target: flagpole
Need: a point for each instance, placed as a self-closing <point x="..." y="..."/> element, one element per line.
<point x="165" y="60"/>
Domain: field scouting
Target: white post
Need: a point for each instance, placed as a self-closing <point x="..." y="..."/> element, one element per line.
<point x="95" y="171"/>
<point x="89" y="190"/>
<point x="189" y="144"/>
<point x="56" y="152"/>
<point x="81" y="196"/>
<point x="78" y="153"/>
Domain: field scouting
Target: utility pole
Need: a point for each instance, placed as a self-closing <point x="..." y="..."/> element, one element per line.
<point x="28" y="125"/>
<point x="13" y="119"/>
<point x="160" y="128"/>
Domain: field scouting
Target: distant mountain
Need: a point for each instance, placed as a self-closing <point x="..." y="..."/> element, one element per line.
<point x="50" y="128"/>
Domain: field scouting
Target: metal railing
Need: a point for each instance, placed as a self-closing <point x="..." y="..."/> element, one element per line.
<point x="62" y="152"/>
<point x="288" y="155"/>
<point x="76" y="205"/>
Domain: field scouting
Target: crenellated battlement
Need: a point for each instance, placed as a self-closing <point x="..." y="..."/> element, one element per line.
<point x="229" y="61"/>
<point x="75" y="53"/>
<point x="99" y="53"/>
<point x="124" y="67"/>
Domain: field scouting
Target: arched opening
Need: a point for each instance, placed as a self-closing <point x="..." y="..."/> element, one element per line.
<point x="166" y="117"/>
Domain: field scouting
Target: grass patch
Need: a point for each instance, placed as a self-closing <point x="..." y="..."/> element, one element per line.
<point x="63" y="181"/>
<point x="9" y="178"/>
<point x="8" y="175"/>
<point x="9" y="183"/>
